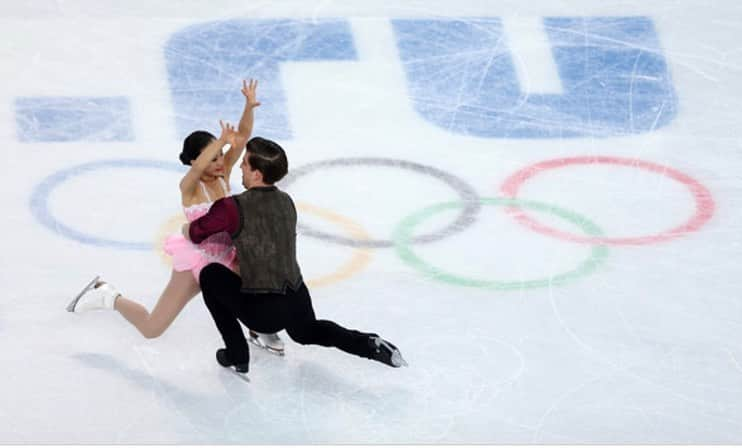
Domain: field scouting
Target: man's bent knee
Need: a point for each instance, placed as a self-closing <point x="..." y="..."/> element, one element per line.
<point x="300" y="336"/>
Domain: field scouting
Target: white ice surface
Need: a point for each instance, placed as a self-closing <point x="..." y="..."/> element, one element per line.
<point x="647" y="349"/>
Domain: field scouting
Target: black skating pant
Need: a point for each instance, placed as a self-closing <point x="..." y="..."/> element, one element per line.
<point x="269" y="313"/>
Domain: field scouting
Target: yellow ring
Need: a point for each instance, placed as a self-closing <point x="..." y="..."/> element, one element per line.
<point x="172" y="225"/>
<point x="361" y="256"/>
<point x="360" y="259"/>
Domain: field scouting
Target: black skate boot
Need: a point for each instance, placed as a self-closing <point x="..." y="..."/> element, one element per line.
<point x="385" y="352"/>
<point x="240" y="369"/>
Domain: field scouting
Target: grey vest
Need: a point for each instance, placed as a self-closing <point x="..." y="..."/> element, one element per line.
<point x="266" y="241"/>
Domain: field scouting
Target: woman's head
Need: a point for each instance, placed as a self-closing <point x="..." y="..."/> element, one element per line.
<point x="194" y="144"/>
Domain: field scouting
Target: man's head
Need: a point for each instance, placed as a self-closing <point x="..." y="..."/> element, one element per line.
<point x="265" y="163"/>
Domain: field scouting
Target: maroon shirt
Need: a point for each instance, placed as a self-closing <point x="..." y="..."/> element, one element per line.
<point x="223" y="216"/>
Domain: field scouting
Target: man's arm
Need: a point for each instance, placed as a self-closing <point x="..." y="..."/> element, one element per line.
<point x="223" y="216"/>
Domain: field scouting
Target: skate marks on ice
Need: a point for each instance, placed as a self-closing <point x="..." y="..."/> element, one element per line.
<point x="292" y="396"/>
<point x="607" y="76"/>
<point x="197" y="416"/>
<point x="70" y="119"/>
<point x="240" y="375"/>
<point x="225" y="409"/>
<point x="612" y="77"/>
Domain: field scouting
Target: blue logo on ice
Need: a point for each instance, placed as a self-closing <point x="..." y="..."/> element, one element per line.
<point x="206" y="63"/>
<point x="614" y="77"/>
<point x="460" y="74"/>
<point x="69" y="119"/>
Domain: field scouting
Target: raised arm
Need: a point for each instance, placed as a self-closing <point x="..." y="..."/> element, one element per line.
<point x="244" y="128"/>
<point x="189" y="183"/>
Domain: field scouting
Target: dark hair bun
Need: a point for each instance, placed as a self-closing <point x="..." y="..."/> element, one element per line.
<point x="184" y="159"/>
<point x="194" y="144"/>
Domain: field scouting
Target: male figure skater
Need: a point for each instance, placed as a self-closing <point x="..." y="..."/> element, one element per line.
<point x="270" y="295"/>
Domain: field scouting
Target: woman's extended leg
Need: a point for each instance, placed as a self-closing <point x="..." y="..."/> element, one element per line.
<point x="181" y="288"/>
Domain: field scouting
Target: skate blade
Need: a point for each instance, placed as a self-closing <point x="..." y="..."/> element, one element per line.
<point x="397" y="358"/>
<point x="274" y="351"/>
<point x="242" y="376"/>
<point x="88" y="287"/>
<point x="258" y="343"/>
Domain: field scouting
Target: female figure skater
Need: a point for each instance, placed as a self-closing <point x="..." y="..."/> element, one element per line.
<point x="203" y="184"/>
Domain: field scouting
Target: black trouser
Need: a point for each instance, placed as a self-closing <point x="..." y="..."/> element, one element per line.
<point x="269" y="313"/>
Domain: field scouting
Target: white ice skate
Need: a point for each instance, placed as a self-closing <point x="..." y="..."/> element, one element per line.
<point x="96" y="295"/>
<point x="270" y="342"/>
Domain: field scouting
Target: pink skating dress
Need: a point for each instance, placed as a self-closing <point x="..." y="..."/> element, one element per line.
<point x="217" y="248"/>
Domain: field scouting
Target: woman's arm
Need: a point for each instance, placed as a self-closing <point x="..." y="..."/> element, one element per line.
<point x="190" y="181"/>
<point x="244" y="128"/>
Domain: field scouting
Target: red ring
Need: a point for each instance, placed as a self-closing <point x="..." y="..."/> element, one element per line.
<point x="704" y="202"/>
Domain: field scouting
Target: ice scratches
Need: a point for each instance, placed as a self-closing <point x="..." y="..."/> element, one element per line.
<point x="493" y="54"/>
<point x="475" y="381"/>
<point x="315" y="390"/>
<point x="442" y="423"/>
<point x="316" y="11"/>
<point x="68" y="119"/>
<point x="476" y="391"/>
<point x="657" y="116"/>
<point x="631" y="93"/>
<point x="189" y="408"/>
<point x="598" y="37"/>
<point x="687" y="61"/>
<point x="554" y="404"/>
<point x="533" y="114"/>
<point x="735" y="363"/>
<point x="306" y="423"/>
<point x="575" y="338"/>
<point x="503" y="385"/>
<point x="625" y="370"/>
<point x="630" y="330"/>
<point x="235" y="418"/>
<point x="472" y="67"/>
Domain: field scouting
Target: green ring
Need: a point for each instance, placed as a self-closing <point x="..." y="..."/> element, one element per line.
<point x="403" y="235"/>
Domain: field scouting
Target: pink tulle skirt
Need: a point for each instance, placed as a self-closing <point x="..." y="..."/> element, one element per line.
<point x="187" y="256"/>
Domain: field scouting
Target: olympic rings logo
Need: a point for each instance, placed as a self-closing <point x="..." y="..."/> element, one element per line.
<point x="403" y="239"/>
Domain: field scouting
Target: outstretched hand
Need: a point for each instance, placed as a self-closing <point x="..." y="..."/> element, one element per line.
<point x="249" y="91"/>
<point x="228" y="132"/>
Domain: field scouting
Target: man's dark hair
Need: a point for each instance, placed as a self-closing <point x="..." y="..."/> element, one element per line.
<point x="194" y="144"/>
<point x="267" y="157"/>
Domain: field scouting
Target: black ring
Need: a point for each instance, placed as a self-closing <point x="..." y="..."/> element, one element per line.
<point x="467" y="193"/>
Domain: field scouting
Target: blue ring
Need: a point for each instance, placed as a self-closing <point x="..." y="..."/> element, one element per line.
<point x="40" y="199"/>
